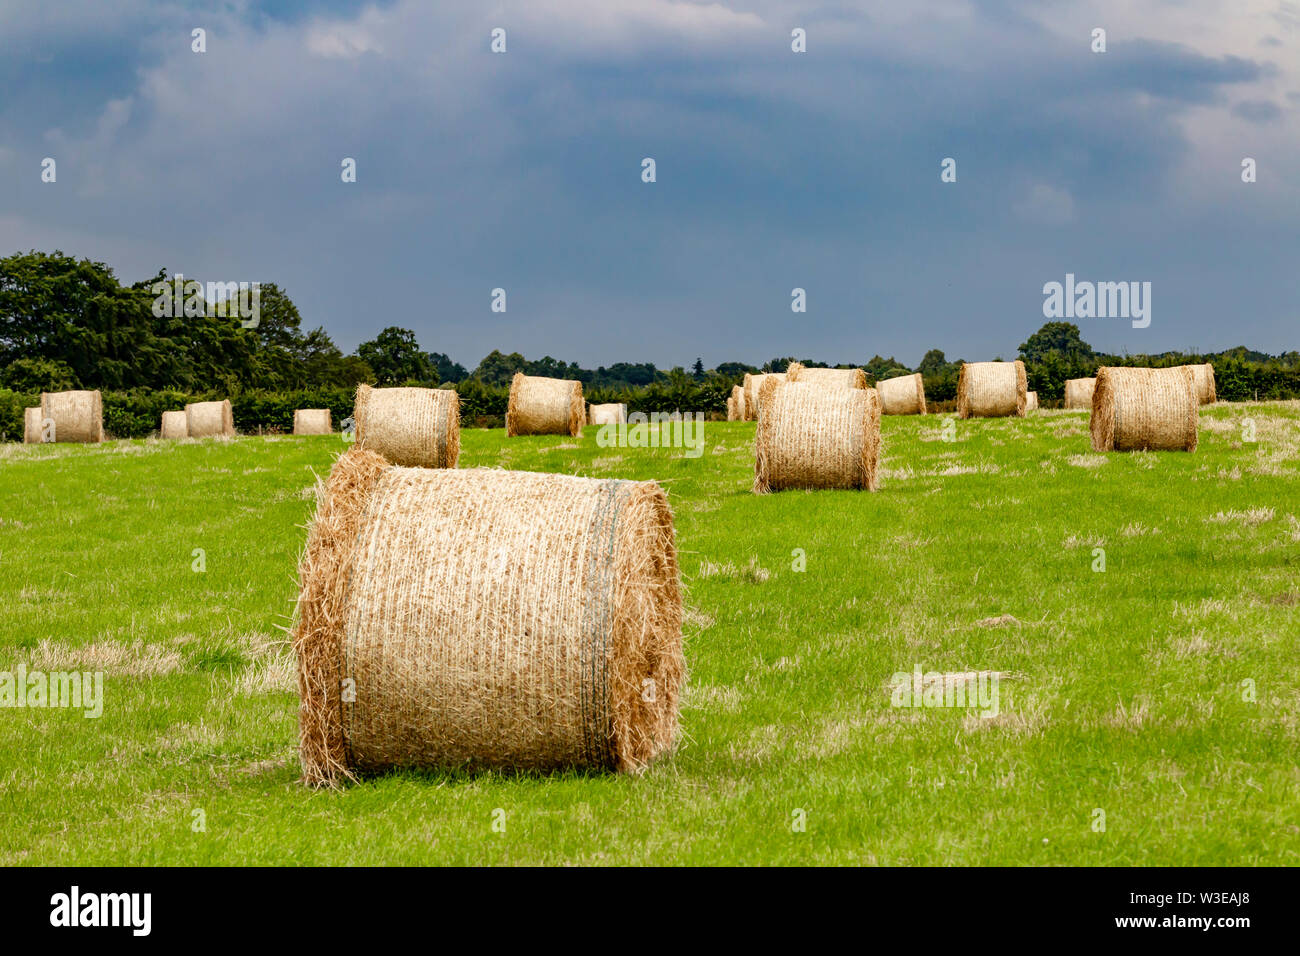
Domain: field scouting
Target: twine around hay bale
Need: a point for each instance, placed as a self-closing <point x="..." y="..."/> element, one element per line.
<point x="78" y="416"/>
<point x="544" y="406"/>
<point x="415" y="427"/>
<point x="1140" y="409"/>
<point x="31" y="426"/>
<point x="173" y="425"/>
<point x="902" y="395"/>
<point x="826" y="377"/>
<point x="485" y="618"/>
<point x="312" y="421"/>
<point x="609" y="414"/>
<point x="1031" y="401"/>
<point x="991" y="389"/>
<point x="209" y="419"/>
<point x="814" y="437"/>
<point x="1078" y="392"/>
<point x="1203" y="376"/>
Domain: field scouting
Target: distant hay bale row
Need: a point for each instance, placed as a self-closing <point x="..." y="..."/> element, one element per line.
<point x="814" y="437"/>
<point x="209" y="419"/>
<point x="544" y="406"/>
<point x="609" y="414"/>
<point x="826" y="377"/>
<point x="991" y="390"/>
<point x="485" y="618"/>
<point x="413" y="427"/>
<point x="1078" y="392"/>
<point x="904" y="395"/>
<point x="1139" y="409"/>
<point x="31" y="426"/>
<point x="736" y="405"/>
<point x="173" y="425"/>
<point x="76" y="416"/>
<point x="1031" y="401"/>
<point x="312" y="421"/>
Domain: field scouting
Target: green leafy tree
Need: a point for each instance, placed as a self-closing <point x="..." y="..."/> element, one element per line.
<point x="395" y="358"/>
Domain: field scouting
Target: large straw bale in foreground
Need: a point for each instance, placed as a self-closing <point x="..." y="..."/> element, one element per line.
<point x="173" y="425"/>
<point x="77" y="416"/>
<point x="1078" y="392"/>
<point x="31" y="426"/>
<point x="1203" y="377"/>
<point x="814" y="437"/>
<point x="544" y="406"/>
<point x="904" y="395"/>
<point x="826" y="377"/>
<point x="209" y="419"/>
<point x="991" y="389"/>
<point x="486" y="618"/>
<point x="415" y="427"/>
<point x="609" y="414"/>
<point x="312" y="421"/>
<point x="1031" y="401"/>
<point x="1136" y="409"/>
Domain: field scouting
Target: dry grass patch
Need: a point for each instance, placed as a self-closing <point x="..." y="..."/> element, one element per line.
<point x="1087" y="461"/>
<point x="1250" y="517"/>
<point x="137" y="659"/>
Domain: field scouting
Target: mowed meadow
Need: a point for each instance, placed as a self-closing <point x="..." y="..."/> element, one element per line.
<point x="1163" y="691"/>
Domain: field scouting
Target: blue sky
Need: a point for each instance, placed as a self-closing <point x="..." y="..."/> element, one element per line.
<point x="775" y="170"/>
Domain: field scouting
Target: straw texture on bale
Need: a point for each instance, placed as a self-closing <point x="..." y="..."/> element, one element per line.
<point x="209" y="419"/>
<point x="312" y="421"/>
<point x="610" y="414"/>
<point x="1139" y="409"/>
<point x="752" y="382"/>
<point x="1078" y="392"/>
<point x="173" y="425"/>
<point x="485" y="618"/>
<point x="31" y="426"/>
<point x="770" y="380"/>
<point x="814" y="437"/>
<point x="77" y="416"/>
<point x="904" y="395"/>
<point x="737" y="404"/>
<point x="415" y="427"/>
<point x="991" y="389"/>
<point x="1031" y="401"/>
<point x="1203" y="376"/>
<point x="544" y="406"/>
<point x="826" y="377"/>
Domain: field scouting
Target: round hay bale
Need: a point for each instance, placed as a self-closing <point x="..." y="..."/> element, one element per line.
<point x="544" y="406"/>
<point x="173" y="425"/>
<point x="1204" y="379"/>
<point x="903" y="395"/>
<point x="77" y="416"/>
<point x="991" y="389"/>
<point x="826" y="377"/>
<point x="610" y="414"/>
<point x="31" y="426"/>
<point x="414" y="427"/>
<point x="1078" y="392"/>
<point x="485" y="618"/>
<point x="814" y="437"/>
<point x="312" y="421"/>
<point x="1031" y="401"/>
<point x="731" y="408"/>
<point x="764" y="386"/>
<point x="736" y="405"/>
<point x="1139" y="409"/>
<point x="209" y="419"/>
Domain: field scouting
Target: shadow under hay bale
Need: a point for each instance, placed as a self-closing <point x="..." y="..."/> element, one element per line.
<point x="826" y="377"/>
<point x="485" y="618"/>
<point x="312" y="421"/>
<point x="1141" y="409"/>
<point x="991" y="390"/>
<point x="904" y="395"/>
<point x="812" y="437"/>
<point x="78" y="416"/>
<point x="609" y="414"/>
<point x="414" y="427"/>
<point x="1078" y="392"/>
<point x="209" y="420"/>
<point x="544" y="406"/>
<point x="173" y="425"/>
<point x="31" y="426"/>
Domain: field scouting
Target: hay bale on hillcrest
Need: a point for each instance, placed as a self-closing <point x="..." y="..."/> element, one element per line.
<point x="173" y="425"/>
<point x="78" y="416"/>
<point x="1031" y="401"/>
<point x="1078" y="392"/>
<point x="814" y="437"/>
<point x="485" y="618"/>
<point x="991" y="389"/>
<point x="414" y="427"/>
<point x="209" y="419"/>
<point x="312" y="421"/>
<point x="609" y="414"/>
<point x="903" y="395"/>
<point x="1140" y="409"/>
<point x="826" y="377"/>
<point x="31" y="426"/>
<point x="1203" y="376"/>
<point x="544" y="406"/>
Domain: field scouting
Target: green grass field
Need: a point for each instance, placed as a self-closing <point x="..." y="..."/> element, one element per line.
<point x="1127" y="691"/>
